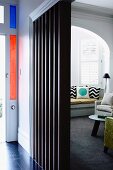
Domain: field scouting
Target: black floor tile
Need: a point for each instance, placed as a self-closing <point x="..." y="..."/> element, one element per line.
<point x="14" y="157"/>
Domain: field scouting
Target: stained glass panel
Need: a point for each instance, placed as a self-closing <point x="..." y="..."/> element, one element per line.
<point x="12" y="67"/>
<point x="12" y="16"/>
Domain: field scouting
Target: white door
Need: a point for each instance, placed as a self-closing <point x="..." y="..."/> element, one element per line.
<point x="11" y="88"/>
<point x="8" y="32"/>
<point x="8" y="90"/>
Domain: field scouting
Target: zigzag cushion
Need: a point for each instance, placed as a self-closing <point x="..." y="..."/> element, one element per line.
<point x="73" y="92"/>
<point x="94" y="92"/>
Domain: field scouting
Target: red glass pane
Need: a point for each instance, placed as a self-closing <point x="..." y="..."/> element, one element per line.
<point x="12" y="67"/>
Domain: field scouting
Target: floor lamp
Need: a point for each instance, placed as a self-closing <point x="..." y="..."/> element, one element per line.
<point x="106" y="76"/>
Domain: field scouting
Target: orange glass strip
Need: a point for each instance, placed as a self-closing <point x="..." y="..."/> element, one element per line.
<point x="13" y="89"/>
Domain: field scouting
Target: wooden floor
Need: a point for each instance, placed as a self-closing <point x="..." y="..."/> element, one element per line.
<point x="14" y="157"/>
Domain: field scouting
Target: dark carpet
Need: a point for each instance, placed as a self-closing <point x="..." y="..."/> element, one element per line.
<point x="87" y="151"/>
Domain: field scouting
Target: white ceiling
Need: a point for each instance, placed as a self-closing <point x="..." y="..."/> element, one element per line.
<point x="100" y="3"/>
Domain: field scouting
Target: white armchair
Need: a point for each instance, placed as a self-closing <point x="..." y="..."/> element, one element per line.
<point x="105" y="107"/>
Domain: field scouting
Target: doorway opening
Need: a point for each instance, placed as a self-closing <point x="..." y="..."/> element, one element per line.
<point x="90" y="59"/>
<point x="2" y="91"/>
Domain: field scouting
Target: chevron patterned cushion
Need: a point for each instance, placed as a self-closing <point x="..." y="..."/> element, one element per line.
<point x="94" y="92"/>
<point x="73" y="92"/>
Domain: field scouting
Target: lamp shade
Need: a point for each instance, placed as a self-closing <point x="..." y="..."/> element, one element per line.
<point x="106" y="75"/>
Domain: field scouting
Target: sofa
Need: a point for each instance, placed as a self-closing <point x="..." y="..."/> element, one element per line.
<point x="84" y="106"/>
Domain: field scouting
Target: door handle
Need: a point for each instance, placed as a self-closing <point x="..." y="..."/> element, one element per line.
<point x="7" y="75"/>
<point x="13" y="107"/>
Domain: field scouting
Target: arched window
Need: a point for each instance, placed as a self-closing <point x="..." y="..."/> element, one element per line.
<point x="89" y="57"/>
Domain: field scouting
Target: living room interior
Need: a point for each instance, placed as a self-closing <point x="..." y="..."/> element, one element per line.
<point x="89" y="64"/>
<point x="87" y="152"/>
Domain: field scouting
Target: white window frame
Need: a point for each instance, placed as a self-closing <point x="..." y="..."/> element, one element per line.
<point x="100" y="65"/>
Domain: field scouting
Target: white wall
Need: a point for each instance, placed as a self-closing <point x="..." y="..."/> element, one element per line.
<point x="102" y="25"/>
<point x="25" y="8"/>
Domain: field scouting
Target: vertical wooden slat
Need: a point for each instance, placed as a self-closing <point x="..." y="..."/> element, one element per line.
<point x="36" y="92"/>
<point x="46" y="91"/>
<point x="55" y="90"/>
<point x="43" y="90"/>
<point x="56" y="87"/>
<point x="39" y="91"/>
<point x="41" y="36"/>
<point x="64" y="27"/>
<point x="51" y="89"/>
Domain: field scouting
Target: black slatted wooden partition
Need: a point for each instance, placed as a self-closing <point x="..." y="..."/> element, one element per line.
<point x="51" y="119"/>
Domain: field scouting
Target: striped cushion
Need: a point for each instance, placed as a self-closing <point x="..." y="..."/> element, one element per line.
<point x="73" y="92"/>
<point x="94" y="92"/>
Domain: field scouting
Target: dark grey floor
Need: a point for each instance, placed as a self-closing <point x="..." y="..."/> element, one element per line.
<point x="14" y="157"/>
<point x="87" y="151"/>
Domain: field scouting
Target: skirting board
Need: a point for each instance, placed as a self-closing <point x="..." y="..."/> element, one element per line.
<point x="23" y="140"/>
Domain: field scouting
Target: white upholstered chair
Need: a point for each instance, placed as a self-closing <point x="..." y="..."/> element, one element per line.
<point x="105" y="107"/>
